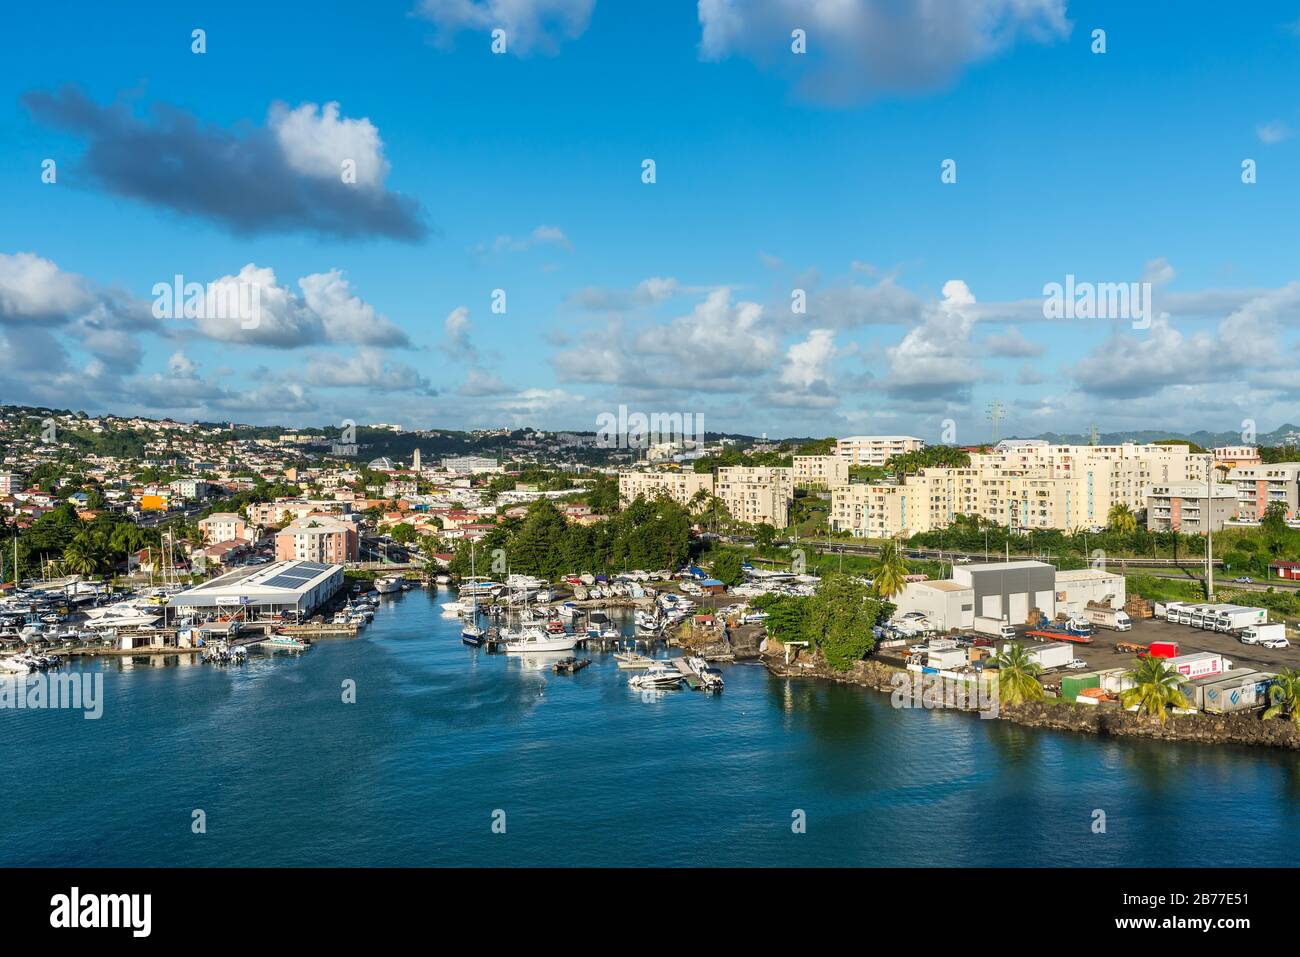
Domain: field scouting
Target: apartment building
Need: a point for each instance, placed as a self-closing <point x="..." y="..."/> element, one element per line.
<point x="224" y="527"/>
<point x="875" y="449"/>
<point x="273" y="513"/>
<point x="820" y="471"/>
<point x="1228" y="457"/>
<point x="318" y="538"/>
<point x="10" y="483"/>
<point x="681" y="487"/>
<point x="757" y="494"/>
<point x="1258" y="486"/>
<point x="1022" y="487"/>
<point x="1187" y="507"/>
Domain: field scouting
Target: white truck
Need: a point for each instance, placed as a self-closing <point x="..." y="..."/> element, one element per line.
<point x="1116" y="619"/>
<point x="1254" y="634"/>
<point x="993" y="627"/>
<point x="1237" y="617"/>
<point x="1056" y="655"/>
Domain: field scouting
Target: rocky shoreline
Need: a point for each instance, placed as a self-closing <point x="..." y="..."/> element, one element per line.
<point x="1056" y="715"/>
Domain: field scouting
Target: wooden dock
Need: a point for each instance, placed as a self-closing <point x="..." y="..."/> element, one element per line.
<point x="692" y="679"/>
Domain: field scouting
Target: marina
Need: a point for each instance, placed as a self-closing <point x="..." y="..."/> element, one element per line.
<point x="445" y="732"/>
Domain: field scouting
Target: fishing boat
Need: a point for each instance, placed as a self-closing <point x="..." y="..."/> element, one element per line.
<point x="534" y="640"/>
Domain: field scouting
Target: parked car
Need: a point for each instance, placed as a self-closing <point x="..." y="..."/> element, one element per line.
<point x="1244" y="580"/>
<point x="961" y="560"/>
<point x="1076" y="664"/>
<point x="1274" y="643"/>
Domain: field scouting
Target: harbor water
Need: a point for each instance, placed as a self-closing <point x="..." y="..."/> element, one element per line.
<point x="454" y="756"/>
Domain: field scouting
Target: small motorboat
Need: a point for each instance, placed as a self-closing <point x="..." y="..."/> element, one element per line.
<point x="658" y="677"/>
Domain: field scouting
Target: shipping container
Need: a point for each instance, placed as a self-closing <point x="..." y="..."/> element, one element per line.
<point x="1195" y="690"/>
<point x="1244" y="693"/>
<point x="1162" y="649"/>
<point x="1071" y="685"/>
<point x="1116" y="680"/>
<point x="1056" y="655"/>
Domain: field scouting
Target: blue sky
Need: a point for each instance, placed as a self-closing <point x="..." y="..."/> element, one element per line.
<point x="775" y="172"/>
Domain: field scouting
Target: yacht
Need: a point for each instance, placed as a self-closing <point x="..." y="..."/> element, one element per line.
<point x="16" y="665"/>
<point x="534" y="639"/>
<point x="657" y="676"/>
<point x="388" y="584"/>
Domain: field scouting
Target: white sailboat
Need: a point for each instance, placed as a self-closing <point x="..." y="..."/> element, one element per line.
<point x="470" y="632"/>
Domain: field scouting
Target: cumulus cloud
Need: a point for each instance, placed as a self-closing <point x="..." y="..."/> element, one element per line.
<point x="366" y="369"/>
<point x="856" y="48"/>
<point x="935" y="360"/>
<point x="456" y="328"/>
<point x="326" y="312"/>
<point x="1012" y="344"/>
<point x="287" y="176"/>
<point x="531" y="26"/>
<point x="541" y="236"/>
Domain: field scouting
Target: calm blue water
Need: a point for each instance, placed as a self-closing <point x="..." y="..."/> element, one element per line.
<point x="587" y="772"/>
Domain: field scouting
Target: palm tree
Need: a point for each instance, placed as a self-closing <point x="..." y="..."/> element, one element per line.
<point x="1285" y="696"/>
<point x="79" y="559"/>
<point x="1121" y="519"/>
<point x="1017" y="675"/>
<point x="1156" y="686"/>
<point x="889" y="576"/>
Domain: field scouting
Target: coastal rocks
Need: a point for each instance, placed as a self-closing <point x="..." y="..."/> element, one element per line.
<point x="1055" y="715"/>
<point x="740" y="644"/>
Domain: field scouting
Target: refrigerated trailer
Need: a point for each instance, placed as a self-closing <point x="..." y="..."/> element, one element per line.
<point x="1237" y="617"/>
<point x="1200" y="664"/>
<point x="1257" y="633"/>
<point x="1116" y="619"/>
<point x="993" y="628"/>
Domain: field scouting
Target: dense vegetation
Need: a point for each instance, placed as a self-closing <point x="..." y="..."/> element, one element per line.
<point x="648" y="535"/>
<point x="837" y="621"/>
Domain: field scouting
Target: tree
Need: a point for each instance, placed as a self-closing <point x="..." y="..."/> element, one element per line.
<point x="1017" y="675"/>
<point x="1284" y="696"/>
<point x="727" y="566"/>
<point x="403" y="533"/>
<point x="764" y="535"/>
<point x="1156" y="687"/>
<point x="889" y="573"/>
<point x="839" y="619"/>
<point x="1121" y="519"/>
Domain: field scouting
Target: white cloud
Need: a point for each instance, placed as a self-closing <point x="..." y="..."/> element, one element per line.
<point x="456" y="330"/>
<point x="366" y="369"/>
<point x="1274" y="132"/>
<point x="33" y="289"/>
<point x="315" y="141"/>
<point x="530" y="25"/>
<point x="859" y="47"/>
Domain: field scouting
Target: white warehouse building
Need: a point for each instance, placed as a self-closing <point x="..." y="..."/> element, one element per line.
<point x="295" y="588"/>
<point x="1008" y="592"/>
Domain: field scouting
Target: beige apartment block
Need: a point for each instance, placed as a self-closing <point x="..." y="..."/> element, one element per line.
<point x="758" y="494"/>
<point x="875" y="449"/>
<point x="681" y="487"/>
<point x="1260" y="485"/>
<point x="1019" y="487"/>
<point x="1186" y="507"/>
<point x="820" y="471"/>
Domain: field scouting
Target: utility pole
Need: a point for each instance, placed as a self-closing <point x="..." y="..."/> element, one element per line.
<point x="1209" y="529"/>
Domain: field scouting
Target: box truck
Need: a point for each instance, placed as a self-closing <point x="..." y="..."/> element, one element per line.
<point x="993" y="627"/>
<point x="1056" y="655"/>
<point x="1200" y="664"/>
<point x="1161" y="649"/>
<point x="1116" y="619"/>
<point x="1257" y="633"/>
<point x="1237" y="617"/>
